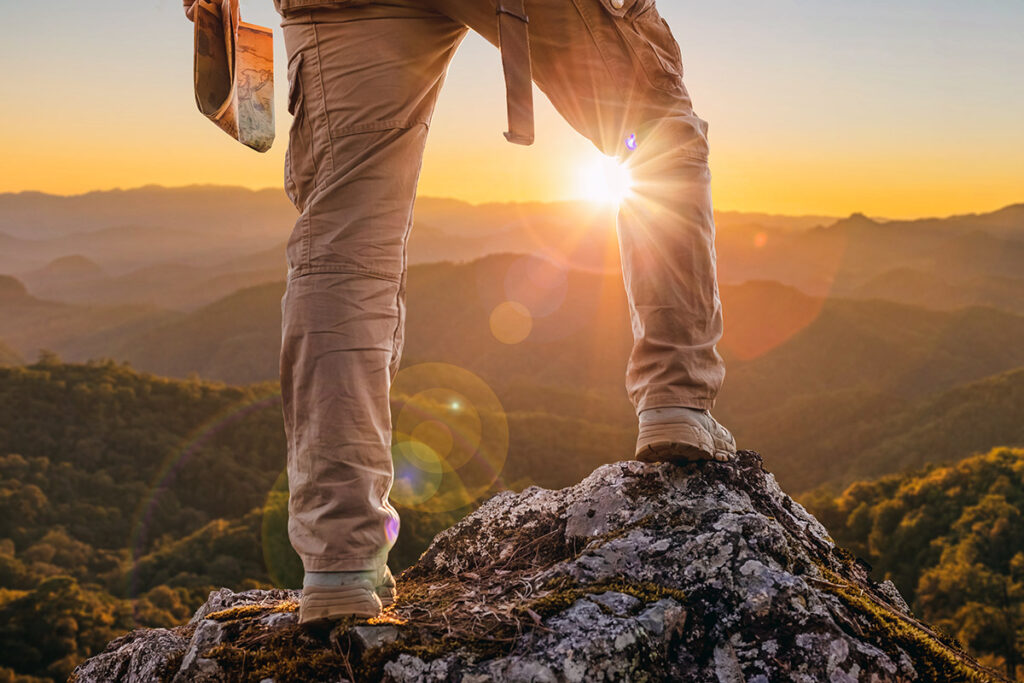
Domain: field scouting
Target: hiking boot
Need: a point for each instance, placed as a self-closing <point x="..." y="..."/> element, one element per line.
<point x="682" y="435"/>
<point x="321" y="603"/>
<point x="387" y="589"/>
<point x="333" y="595"/>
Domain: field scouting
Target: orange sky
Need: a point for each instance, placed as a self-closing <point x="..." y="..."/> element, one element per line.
<point x="824" y="108"/>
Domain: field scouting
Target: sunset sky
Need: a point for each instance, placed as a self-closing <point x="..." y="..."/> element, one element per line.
<point x="898" y="109"/>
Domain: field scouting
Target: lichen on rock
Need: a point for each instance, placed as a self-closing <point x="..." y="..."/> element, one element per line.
<point x="700" y="572"/>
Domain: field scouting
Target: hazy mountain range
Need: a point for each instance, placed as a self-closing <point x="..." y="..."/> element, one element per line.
<point x="843" y="335"/>
<point x="185" y="247"/>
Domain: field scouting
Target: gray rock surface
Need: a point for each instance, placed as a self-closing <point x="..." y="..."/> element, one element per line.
<point x="142" y="655"/>
<point x="703" y="572"/>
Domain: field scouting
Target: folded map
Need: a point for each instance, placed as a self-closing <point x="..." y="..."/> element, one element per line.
<point x="234" y="73"/>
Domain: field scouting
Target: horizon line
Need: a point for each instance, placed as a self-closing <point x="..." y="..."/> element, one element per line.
<point x="280" y="189"/>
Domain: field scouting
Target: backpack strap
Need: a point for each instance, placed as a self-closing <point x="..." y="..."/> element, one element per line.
<point x="514" y="43"/>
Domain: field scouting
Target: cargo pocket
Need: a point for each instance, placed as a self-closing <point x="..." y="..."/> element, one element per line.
<point x="299" y="171"/>
<point x="650" y="40"/>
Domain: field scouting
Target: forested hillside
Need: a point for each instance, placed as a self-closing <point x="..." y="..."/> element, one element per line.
<point x="8" y="356"/>
<point x="951" y="538"/>
<point x="125" y="498"/>
<point x="867" y="431"/>
<point x="806" y="375"/>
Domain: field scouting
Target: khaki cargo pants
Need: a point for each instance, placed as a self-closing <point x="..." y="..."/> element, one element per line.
<point x="364" y="76"/>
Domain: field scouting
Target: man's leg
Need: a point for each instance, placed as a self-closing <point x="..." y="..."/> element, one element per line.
<point x="615" y="73"/>
<point x="363" y="83"/>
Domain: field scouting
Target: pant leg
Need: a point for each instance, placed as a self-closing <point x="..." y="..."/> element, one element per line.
<point x="614" y="73"/>
<point x="363" y="83"/>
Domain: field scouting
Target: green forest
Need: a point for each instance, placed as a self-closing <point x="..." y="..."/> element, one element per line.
<point x="126" y="497"/>
<point x="951" y="537"/>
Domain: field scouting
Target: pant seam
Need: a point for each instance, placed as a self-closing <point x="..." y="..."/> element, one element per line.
<point x="307" y="228"/>
<point x="399" y="302"/>
<point x="342" y="270"/>
<point x="323" y="94"/>
<point x="597" y="43"/>
<point x="670" y="400"/>
<point x="374" y="127"/>
<point x="342" y="565"/>
<point x="306" y="223"/>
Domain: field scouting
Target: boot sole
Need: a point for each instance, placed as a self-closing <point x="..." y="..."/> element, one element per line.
<point x="672" y="442"/>
<point x="672" y="451"/>
<point x="325" y="604"/>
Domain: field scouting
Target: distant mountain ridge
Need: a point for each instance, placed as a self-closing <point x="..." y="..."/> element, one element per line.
<point x="932" y="290"/>
<point x="805" y="374"/>
<point x="76" y="267"/>
<point x="12" y="289"/>
<point x="145" y="235"/>
<point x="175" y="286"/>
<point x="1009" y="219"/>
<point x="29" y="324"/>
<point x="837" y="321"/>
<point x="37" y="215"/>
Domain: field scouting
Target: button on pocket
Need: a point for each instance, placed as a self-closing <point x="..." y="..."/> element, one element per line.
<point x="619" y="8"/>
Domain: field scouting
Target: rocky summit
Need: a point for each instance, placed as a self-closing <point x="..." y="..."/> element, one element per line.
<point x="701" y="572"/>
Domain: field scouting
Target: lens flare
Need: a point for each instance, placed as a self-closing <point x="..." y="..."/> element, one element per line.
<point x="511" y="322"/>
<point x="419" y="472"/>
<point x="450" y="438"/>
<point x="436" y="434"/>
<point x="452" y="435"/>
<point x="391" y="529"/>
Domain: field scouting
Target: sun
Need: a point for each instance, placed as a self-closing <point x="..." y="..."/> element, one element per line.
<point x="603" y="180"/>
